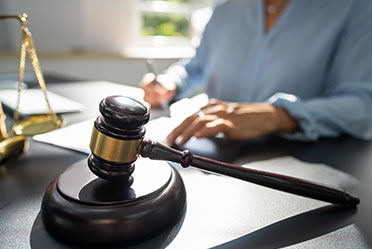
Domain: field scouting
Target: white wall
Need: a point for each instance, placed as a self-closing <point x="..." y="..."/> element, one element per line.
<point x="83" y="26"/>
<point x="71" y="25"/>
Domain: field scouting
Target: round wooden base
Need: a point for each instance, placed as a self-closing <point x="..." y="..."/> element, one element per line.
<point x="82" y="208"/>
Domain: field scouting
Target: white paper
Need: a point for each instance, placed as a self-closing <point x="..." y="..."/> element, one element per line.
<point x="187" y="106"/>
<point x="156" y="130"/>
<point x="75" y="137"/>
<point x="32" y="101"/>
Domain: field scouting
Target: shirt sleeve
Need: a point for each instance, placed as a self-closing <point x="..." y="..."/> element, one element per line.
<point x="346" y="107"/>
<point x="189" y="75"/>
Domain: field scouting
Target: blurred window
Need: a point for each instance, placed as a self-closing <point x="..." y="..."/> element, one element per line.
<point x="173" y="22"/>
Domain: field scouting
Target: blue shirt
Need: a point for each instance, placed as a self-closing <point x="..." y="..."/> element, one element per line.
<point x="316" y="62"/>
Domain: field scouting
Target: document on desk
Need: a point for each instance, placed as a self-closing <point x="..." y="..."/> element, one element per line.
<point x="77" y="136"/>
<point x="33" y="102"/>
<point x="74" y="137"/>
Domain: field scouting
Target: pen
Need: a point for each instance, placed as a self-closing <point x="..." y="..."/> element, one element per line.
<point x="152" y="68"/>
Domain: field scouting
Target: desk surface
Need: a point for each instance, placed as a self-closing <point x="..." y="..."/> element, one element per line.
<point x="221" y="212"/>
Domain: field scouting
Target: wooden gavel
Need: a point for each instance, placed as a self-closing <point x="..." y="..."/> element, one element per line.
<point x="118" y="140"/>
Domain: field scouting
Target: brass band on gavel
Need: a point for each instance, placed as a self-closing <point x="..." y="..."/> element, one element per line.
<point x="113" y="149"/>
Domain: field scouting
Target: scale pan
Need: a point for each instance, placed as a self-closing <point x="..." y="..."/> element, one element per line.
<point x="11" y="146"/>
<point x="37" y="125"/>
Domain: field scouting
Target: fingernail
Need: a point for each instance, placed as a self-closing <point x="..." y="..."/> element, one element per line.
<point x="180" y="140"/>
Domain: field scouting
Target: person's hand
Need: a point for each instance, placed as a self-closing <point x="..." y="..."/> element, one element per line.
<point x="158" y="90"/>
<point x="235" y="120"/>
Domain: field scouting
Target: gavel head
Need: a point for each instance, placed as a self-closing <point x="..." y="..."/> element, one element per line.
<point x="116" y="137"/>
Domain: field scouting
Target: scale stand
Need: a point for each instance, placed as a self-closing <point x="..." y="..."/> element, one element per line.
<point x="13" y="142"/>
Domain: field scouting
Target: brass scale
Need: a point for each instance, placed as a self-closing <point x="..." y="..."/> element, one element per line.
<point x="13" y="142"/>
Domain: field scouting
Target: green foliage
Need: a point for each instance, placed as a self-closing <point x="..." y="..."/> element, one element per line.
<point x="170" y="25"/>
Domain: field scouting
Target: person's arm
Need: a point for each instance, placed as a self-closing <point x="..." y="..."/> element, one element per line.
<point x="346" y="107"/>
<point x="182" y="78"/>
<point x="240" y="121"/>
<point x="189" y="74"/>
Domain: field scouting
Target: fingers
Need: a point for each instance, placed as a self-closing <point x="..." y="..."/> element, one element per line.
<point x="198" y="126"/>
<point x="155" y="92"/>
<point x="147" y="84"/>
<point x="218" y="110"/>
<point x="209" y="124"/>
<point x="147" y="78"/>
<point x="153" y="95"/>
<point x="213" y="128"/>
<point x="212" y="103"/>
<point x="171" y="138"/>
<point x="216" y="107"/>
<point x="194" y="127"/>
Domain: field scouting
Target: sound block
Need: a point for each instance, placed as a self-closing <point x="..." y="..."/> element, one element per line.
<point x="82" y="208"/>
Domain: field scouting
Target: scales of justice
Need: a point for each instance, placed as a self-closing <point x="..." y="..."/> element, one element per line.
<point x="13" y="142"/>
<point x="118" y="195"/>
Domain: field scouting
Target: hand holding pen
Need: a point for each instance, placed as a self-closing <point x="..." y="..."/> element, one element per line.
<point x="159" y="89"/>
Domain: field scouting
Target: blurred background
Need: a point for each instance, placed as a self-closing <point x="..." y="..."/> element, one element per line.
<point x="103" y="40"/>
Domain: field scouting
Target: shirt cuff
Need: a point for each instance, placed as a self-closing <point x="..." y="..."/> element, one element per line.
<point x="177" y="74"/>
<point x="297" y="110"/>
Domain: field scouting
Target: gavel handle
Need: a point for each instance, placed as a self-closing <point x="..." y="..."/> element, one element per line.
<point x="297" y="186"/>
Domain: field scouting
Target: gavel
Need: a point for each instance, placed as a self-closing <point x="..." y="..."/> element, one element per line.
<point x="118" y="140"/>
<point x="103" y="200"/>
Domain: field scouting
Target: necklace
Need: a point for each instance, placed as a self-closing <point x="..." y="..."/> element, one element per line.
<point x="274" y="8"/>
